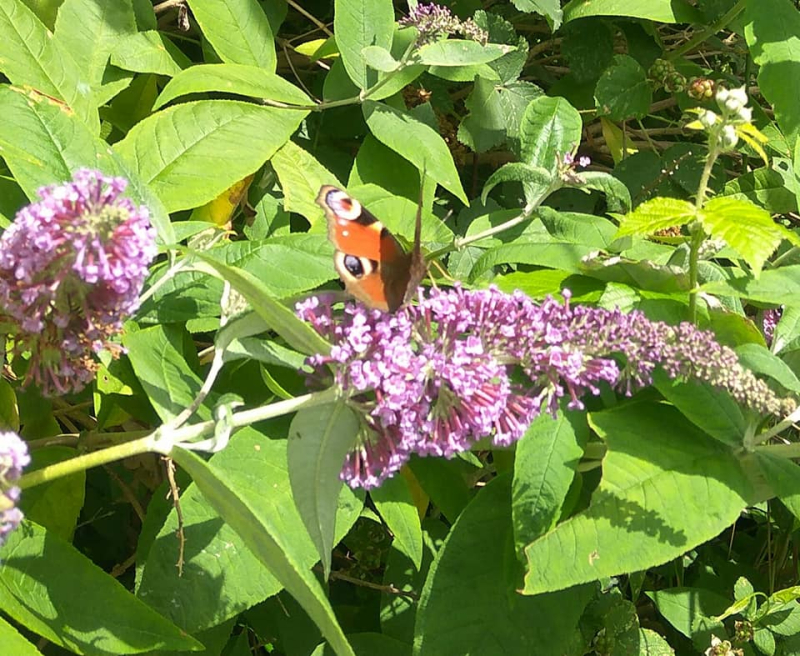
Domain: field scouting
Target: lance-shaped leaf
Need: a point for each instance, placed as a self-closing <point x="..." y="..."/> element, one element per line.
<point x="238" y="30"/>
<point x="319" y="440"/>
<point x="204" y="147"/>
<point x="267" y="545"/>
<point x="29" y="56"/>
<point x="359" y="24"/>
<point x="394" y="502"/>
<point x="745" y="227"/>
<point x="456" y="52"/>
<point x="666" y="488"/>
<point x="660" y="11"/>
<point x="298" y="334"/>
<point x="240" y="79"/>
<point x="43" y="145"/>
<point x="416" y="142"/>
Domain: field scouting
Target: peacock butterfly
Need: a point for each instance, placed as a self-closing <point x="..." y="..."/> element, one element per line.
<point x="370" y="261"/>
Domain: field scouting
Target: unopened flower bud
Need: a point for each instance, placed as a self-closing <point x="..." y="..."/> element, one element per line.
<point x="728" y="138"/>
<point x="707" y="118"/>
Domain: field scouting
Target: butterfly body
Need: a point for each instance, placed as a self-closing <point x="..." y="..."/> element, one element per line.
<point x="370" y="261"/>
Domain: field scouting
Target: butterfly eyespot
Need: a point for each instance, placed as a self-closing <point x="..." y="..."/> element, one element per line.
<point x="354" y="266"/>
<point x="343" y="205"/>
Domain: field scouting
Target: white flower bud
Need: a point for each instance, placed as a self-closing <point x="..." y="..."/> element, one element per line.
<point x="707" y="118"/>
<point x="746" y="114"/>
<point x="728" y="139"/>
<point x="732" y="101"/>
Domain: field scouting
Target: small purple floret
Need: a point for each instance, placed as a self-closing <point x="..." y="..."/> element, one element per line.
<point x="13" y="458"/>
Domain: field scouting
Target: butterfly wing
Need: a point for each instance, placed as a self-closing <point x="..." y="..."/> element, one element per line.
<point x="369" y="259"/>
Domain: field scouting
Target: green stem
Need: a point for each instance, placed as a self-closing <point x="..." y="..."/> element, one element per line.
<point x="696" y="228"/>
<point x="158" y="443"/>
<point x="721" y="23"/>
<point x="95" y="459"/>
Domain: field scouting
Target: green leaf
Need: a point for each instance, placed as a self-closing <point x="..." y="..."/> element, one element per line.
<point x="145" y="52"/>
<point x="280" y="318"/>
<point x="204" y="147"/>
<point x="770" y="29"/>
<point x="14" y="643"/>
<point x="683" y="606"/>
<point x="445" y="482"/>
<point x="535" y="178"/>
<point x="156" y="354"/>
<point x="659" y="497"/>
<point x="416" y="142"/>
<point x="761" y="360"/>
<point x="380" y="59"/>
<point x="662" y="11"/>
<point x="654" y="215"/>
<point x="240" y="79"/>
<point x="56" y="504"/>
<point x="543" y="472"/>
<point x="358" y="24"/>
<point x="456" y="52"/>
<point x="777" y="286"/>
<point x="555" y="256"/>
<point x="319" y="440"/>
<point x="301" y="176"/>
<point x="623" y="90"/>
<point x="765" y="187"/>
<point x="514" y="99"/>
<point x="745" y="227"/>
<point x="618" y="198"/>
<point x="652" y="644"/>
<point x="484" y="127"/>
<point x="550" y="128"/>
<point x="238" y="30"/>
<point x="550" y="9"/>
<point x="395" y="504"/>
<point x="254" y="465"/>
<point x="48" y="144"/>
<point x="9" y="410"/>
<point x="30" y="56"/>
<point x="369" y="644"/>
<point x="287" y="265"/>
<point x="491" y="617"/>
<point x="52" y="589"/>
<point x="88" y="30"/>
<point x="710" y="409"/>
<point x="509" y="66"/>
<point x="268" y="545"/>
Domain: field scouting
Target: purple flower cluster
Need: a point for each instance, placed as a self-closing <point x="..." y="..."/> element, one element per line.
<point x="13" y="457"/>
<point x="434" y="22"/>
<point x="434" y="378"/>
<point x="567" y="166"/>
<point x="770" y="322"/>
<point x="72" y="266"/>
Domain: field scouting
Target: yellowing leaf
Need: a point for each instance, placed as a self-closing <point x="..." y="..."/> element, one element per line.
<point x="613" y="136"/>
<point x="750" y="134"/>
<point x="319" y="49"/>
<point x="220" y="210"/>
